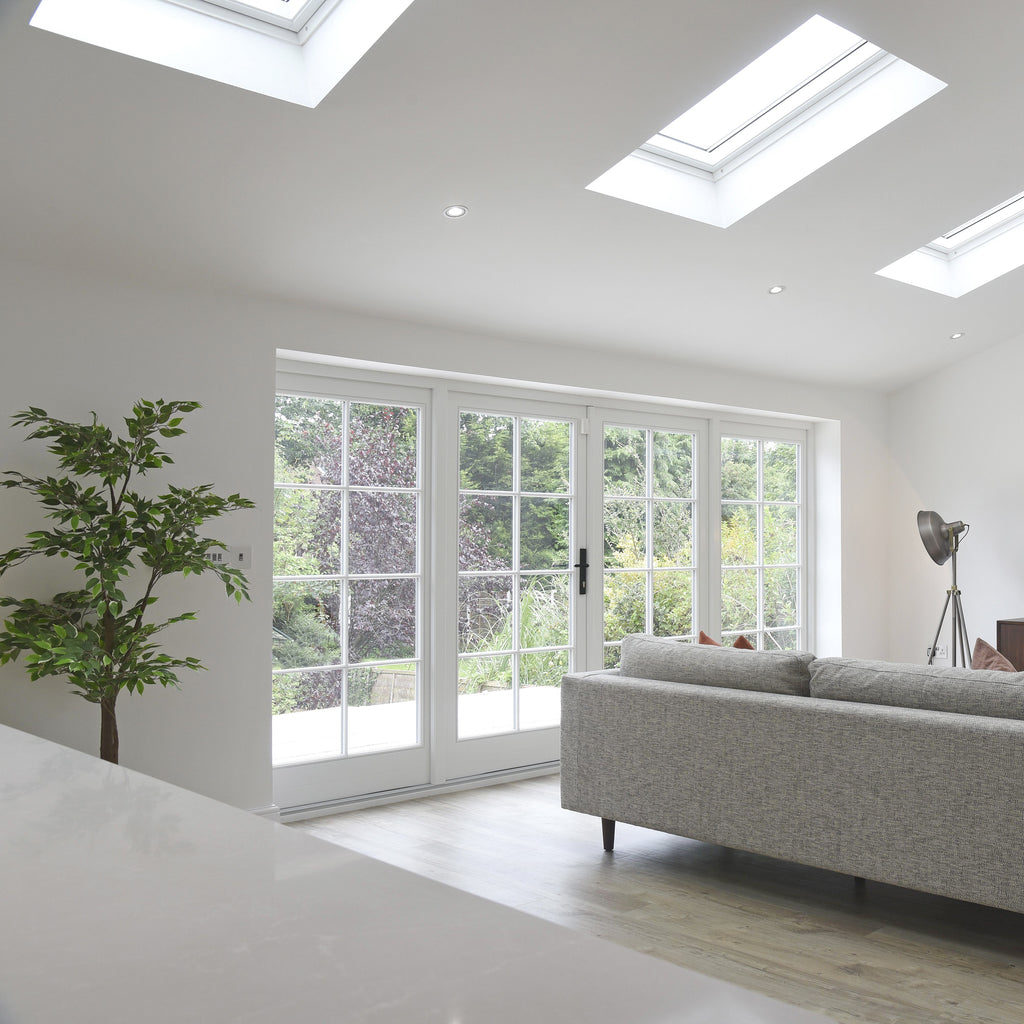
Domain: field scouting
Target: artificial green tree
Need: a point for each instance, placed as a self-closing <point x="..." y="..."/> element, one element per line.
<point x="97" y="637"/>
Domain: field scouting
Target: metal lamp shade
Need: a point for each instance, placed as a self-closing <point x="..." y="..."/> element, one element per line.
<point x="936" y="535"/>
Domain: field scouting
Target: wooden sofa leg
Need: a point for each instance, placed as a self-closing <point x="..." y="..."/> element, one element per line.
<point x="608" y="833"/>
<point x="859" y="882"/>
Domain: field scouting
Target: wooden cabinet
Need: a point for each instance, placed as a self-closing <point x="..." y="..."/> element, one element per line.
<point x="1010" y="641"/>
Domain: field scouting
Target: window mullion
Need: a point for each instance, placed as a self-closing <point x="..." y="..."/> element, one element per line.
<point x="649" y="531"/>
<point x="345" y="595"/>
<point x="760" y="545"/>
<point x="517" y="499"/>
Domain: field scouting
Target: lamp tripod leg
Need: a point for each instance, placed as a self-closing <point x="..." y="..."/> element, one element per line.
<point x="965" y="642"/>
<point x="942" y="619"/>
<point x="955" y="623"/>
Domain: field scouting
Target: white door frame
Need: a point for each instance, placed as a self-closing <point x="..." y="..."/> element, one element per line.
<point x="441" y="759"/>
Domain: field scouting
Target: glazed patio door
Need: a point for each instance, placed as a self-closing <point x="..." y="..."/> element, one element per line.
<point x="430" y="545"/>
<point x="349" y="629"/>
<point x="519" y="609"/>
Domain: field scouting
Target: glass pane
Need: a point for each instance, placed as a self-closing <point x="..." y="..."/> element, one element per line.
<point x="381" y="532"/>
<point x="485" y="533"/>
<point x="485" y="452"/>
<point x="381" y="707"/>
<point x="382" y="452"/>
<point x="307" y="532"/>
<point x="612" y="656"/>
<point x="625" y="545"/>
<point x="781" y="640"/>
<point x="544" y="611"/>
<point x="780" y="597"/>
<point x="540" y="678"/>
<point x="673" y="603"/>
<point x="306" y="628"/>
<point x="673" y="465"/>
<point x="313" y="690"/>
<point x="544" y="533"/>
<point x="780" y="536"/>
<point x="780" y="462"/>
<point x="739" y="469"/>
<point x="625" y="601"/>
<point x="625" y="461"/>
<point x="485" y="613"/>
<point x="739" y="534"/>
<point x="307" y="715"/>
<point x="485" y="696"/>
<point x="381" y="619"/>
<point x="672" y="530"/>
<point x="739" y="600"/>
<point x="544" y="453"/>
<point x="310" y="440"/>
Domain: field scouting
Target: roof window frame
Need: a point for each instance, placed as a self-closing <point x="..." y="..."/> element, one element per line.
<point x="979" y="230"/>
<point x="819" y="126"/>
<point x="990" y="245"/>
<point x="296" y="29"/>
<point x="840" y="71"/>
<point x="211" y="41"/>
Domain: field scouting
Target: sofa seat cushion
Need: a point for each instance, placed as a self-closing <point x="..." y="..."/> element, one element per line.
<point x="962" y="691"/>
<point x="651" y="657"/>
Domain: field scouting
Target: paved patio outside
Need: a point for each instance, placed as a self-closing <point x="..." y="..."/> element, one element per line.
<point x="316" y="735"/>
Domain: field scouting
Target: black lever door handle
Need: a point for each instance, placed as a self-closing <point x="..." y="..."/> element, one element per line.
<point x="583" y="565"/>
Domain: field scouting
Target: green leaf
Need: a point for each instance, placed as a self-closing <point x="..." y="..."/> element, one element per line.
<point x="91" y="636"/>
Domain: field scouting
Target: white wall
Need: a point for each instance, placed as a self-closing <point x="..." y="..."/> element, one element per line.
<point x="76" y="344"/>
<point x="954" y="451"/>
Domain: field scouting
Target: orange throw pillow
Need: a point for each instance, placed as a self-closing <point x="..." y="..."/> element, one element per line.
<point x="741" y="642"/>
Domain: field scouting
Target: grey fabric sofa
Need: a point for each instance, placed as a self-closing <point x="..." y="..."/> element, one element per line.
<point x="899" y="773"/>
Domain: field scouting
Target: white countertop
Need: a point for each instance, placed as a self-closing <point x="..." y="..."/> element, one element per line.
<point x="125" y="899"/>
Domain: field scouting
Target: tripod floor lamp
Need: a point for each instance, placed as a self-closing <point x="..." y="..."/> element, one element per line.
<point x="941" y="541"/>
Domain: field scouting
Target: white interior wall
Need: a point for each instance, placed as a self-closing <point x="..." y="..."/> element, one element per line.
<point x="76" y="344"/>
<point x="953" y="451"/>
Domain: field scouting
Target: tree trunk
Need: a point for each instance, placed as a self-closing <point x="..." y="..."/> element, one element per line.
<point x="108" y="729"/>
<point x="108" y="716"/>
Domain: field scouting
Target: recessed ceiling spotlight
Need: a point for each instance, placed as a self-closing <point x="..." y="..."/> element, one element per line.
<point x="957" y="335"/>
<point x="455" y="212"/>
<point x="776" y="289"/>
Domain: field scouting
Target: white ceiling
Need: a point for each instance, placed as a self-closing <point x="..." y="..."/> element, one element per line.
<point x="512" y="109"/>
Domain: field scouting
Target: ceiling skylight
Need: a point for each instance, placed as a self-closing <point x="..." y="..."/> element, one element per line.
<point x="286" y="14"/>
<point x="978" y="251"/>
<point x="289" y="9"/>
<point x="815" y="94"/>
<point x="982" y="228"/>
<point x="299" y="51"/>
<point x="800" y="70"/>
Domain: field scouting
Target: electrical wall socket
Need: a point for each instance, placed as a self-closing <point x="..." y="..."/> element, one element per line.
<point x="238" y="556"/>
<point x="941" y="651"/>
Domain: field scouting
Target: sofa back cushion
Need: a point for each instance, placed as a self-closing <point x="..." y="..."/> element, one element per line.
<point x="959" y="690"/>
<point x="652" y="657"/>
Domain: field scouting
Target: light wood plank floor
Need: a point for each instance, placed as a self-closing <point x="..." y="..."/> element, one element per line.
<point x="881" y="955"/>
